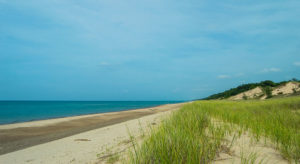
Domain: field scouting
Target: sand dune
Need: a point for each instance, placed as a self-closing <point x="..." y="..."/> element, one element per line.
<point x="288" y="88"/>
<point x="256" y="92"/>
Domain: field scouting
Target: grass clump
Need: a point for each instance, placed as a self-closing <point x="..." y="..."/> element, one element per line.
<point x="113" y="159"/>
<point x="188" y="136"/>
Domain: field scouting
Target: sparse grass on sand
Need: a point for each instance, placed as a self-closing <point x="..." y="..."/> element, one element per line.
<point x="186" y="137"/>
<point x="191" y="136"/>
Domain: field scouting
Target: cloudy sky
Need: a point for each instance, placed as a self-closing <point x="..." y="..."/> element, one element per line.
<point x="144" y="49"/>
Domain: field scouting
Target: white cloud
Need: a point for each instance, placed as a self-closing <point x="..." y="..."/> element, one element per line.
<point x="104" y="64"/>
<point x="267" y="70"/>
<point x="243" y="82"/>
<point x="240" y="74"/>
<point x="297" y="63"/>
<point x="176" y="90"/>
<point x="274" y="69"/>
<point x="223" y="76"/>
<point x="201" y="89"/>
<point x="125" y="90"/>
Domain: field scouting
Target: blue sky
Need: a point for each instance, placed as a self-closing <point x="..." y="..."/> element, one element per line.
<point x="144" y="49"/>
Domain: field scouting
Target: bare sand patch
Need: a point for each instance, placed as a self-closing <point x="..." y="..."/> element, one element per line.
<point x="245" y="149"/>
<point x="253" y="93"/>
<point x="288" y="88"/>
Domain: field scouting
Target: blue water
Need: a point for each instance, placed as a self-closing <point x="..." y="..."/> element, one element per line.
<point x="22" y="111"/>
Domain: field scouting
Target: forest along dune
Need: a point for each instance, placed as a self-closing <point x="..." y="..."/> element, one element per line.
<point x="224" y="131"/>
<point x="262" y="90"/>
<point x="15" y="137"/>
<point x="285" y="89"/>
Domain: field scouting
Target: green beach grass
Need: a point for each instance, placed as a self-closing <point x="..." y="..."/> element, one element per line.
<point x="188" y="136"/>
<point x="191" y="135"/>
<point x="275" y="119"/>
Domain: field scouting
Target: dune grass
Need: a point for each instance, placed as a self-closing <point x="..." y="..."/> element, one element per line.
<point x="190" y="135"/>
<point x="275" y="119"/>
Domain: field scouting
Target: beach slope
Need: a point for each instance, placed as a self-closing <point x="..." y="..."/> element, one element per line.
<point x="61" y="140"/>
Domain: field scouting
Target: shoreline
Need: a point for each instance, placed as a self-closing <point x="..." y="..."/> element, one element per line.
<point x="2" y="126"/>
<point x="92" y="113"/>
<point x="94" y="146"/>
<point x="19" y="136"/>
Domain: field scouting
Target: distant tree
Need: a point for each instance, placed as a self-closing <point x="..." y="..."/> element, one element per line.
<point x="268" y="91"/>
<point x="267" y="83"/>
<point x="294" y="90"/>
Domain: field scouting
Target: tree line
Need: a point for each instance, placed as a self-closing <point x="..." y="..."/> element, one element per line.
<point x="266" y="86"/>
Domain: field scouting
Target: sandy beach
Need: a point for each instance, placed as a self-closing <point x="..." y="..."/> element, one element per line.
<point x="60" y="140"/>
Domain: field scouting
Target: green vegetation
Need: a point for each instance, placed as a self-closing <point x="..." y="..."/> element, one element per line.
<point x="191" y="135"/>
<point x="276" y="119"/>
<point x="245" y="97"/>
<point x="188" y="136"/>
<point x="268" y="91"/>
<point x="113" y="159"/>
<point x="265" y="85"/>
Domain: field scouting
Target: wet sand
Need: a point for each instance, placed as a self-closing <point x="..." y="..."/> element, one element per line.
<point x="19" y="136"/>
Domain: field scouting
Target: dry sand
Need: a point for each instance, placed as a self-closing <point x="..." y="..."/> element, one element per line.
<point x="288" y="88"/>
<point x="78" y="139"/>
<point x="245" y="149"/>
<point x="255" y="92"/>
<point x="242" y="147"/>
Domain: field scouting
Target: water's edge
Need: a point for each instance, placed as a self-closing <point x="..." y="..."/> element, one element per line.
<point x="9" y="121"/>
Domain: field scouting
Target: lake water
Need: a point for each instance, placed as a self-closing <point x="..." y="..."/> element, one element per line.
<point x="23" y="111"/>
